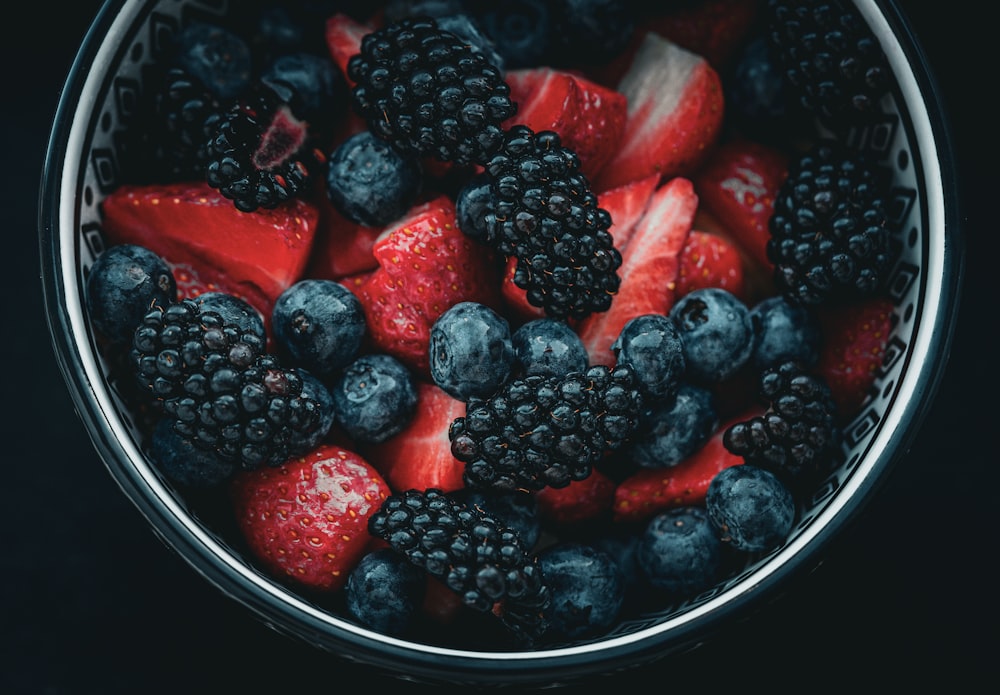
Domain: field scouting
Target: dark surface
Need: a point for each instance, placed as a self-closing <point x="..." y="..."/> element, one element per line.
<point x="93" y="602"/>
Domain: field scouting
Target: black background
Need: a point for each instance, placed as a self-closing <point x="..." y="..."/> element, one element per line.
<point x="92" y="602"/>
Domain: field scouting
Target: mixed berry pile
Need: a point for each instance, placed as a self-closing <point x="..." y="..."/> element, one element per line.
<point x="497" y="324"/>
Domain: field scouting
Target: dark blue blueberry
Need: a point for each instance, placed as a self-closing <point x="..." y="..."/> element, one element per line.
<point x="311" y="84"/>
<point x="233" y="310"/>
<point x="671" y="432"/>
<point x="123" y="283"/>
<point x="218" y="57"/>
<point x="320" y="324"/>
<point x="586" y="587"/>
<point x="621" y="545"/>
<point x="395" y="10"/>
<point x="679" y="551"/>
<point x="315" y="389"/>
<point x="374" y="398"/>
<point x="474" y="204"/>
<point x="517" y="511"/>
<point x="784" y="331"/>
<point x="716" y="332"/>
<point x="751" y="509"/>
<point x="181" y="461"/>
<point x="590" y="32"/>
<point x="652" y="345"/>
<point x="471" y="352"/>
<point x="548" y="347"/>
<point x="521" y="30"/>
<point x="370" y="182"/>
<point x="385" y="592"/>
<point x="466" y="28"/>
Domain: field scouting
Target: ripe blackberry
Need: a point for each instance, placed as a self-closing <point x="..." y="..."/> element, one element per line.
<point x="428" y="93"/>
<point x="469" y="551"/>
<point x="797" y="437"/>
<point x="259" y="154"/>
<point x="830" y="236"/>
<point x="833" y="63"/>
<point x="541" y="431"/>
<point x="219" y="387"/>
<point x="545" y="214"/>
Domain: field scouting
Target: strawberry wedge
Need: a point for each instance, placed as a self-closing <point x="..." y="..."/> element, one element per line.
<point x="650" y="265"/>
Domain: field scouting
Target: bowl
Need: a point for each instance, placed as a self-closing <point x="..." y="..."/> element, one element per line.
<point x="82" y="168"/>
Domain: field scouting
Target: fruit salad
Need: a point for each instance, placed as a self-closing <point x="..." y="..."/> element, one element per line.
<point x="498" y="324"/>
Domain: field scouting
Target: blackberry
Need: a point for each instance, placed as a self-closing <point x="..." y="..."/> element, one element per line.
<point x="259" y="154"/>
<point x="428" y="93"/>
<point x="830" y="236"/>
<point x="797" y="438"/>
<point x="540" y="431"/>
<point x="545" y="214"/>
<point x="468" y="550"/>
<point x="219" y="387"/>
<point x="831" y="60"/>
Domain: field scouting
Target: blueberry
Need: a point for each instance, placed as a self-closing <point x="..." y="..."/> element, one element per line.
<point x="315" y="389"/>
<point x="374" y="398"/>
<point x="320" y="324"/>
<point x="751" y="508"/>
<point x="716" y="332"/>
<point x="218" y="57"/>
<point x="592" y="31"/>
<point x="466" y="28"/>
<point x="517" y="511"/>
<point x="474" y="206"/>
<point x="671" y="432"/>
<point x="548" y="347"/>
<point x="471" y="351"/>
<point x="385" y="592"/>
<point x="679" y="551"/>
<point x="369" y="182"/>
<point x="183" y="462"/>
<point x="652" y="344"/>
<point x="520" y="29"/>
<point x="783" y="331"/>
<point x="586" y="586"/>
<point x="311" y="84"/>
<point x="233" y="310"/>
<point x="621" y="545"/>
<point x="123" y="283"/>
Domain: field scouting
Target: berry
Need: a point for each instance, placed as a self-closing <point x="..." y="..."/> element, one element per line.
<point x="310" y="84"/>
<point x="233" y="310"/>
<point x="181" y="461"/>
<point x="757" y="100"/>
<point x="591" y="32"/>
<point x="784" y="331"/>
<point x="710" y="260"/>
<point x="586" y="587"/>
<point x="652" y="346"/>
<point x="518" y="511"/>
<point x="671" y="432"/>
<point x="374" y="398"/>
<point x="216" y="57"/>
<point x="385" y="592"/>
<point x="547" y="347"/>
<point x="679" y="551"/>
<point x="314" y="389"/>
<point x="750" y="508"/>
<point x="716" y="333"/>
<point x="470" y="349"/>
<point x="581" y="501"/>
<point x="521" y="30"/>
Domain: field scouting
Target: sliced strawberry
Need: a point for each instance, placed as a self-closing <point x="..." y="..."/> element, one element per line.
<point x="737" y="185"/>
<point x="420" y="456"/>
<point x="343" y="39"/>
<point x="256" y="255"/>
<point x="710" y="260"/>
<point x="675" y="114"/>
<point x="306" y="521"/>
<point x="651" y="490"/>
<point x="650" y="264"/>
<point x="580" y="501"/>
<point x="341" y="247"/>
<point x="855" y="337"/>
<point x="714" y="29"/>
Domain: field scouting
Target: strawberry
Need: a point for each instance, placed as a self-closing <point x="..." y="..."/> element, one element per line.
<point x="307" y="520"/>
<point x="189" y="282"/>
<point x="420" y="456"/>
<point x="581" y="500"/>
<point x="709" y="260"/>
<point x="855" y="337"/>
<point x="650" y="264"/>
<point x="589" y="117"/>
<point x="343" y="36"/>
<point x="675" y="114"/>
<point x="341" y="247"/>
<point x="256" y="255"/>
<point x="648" y="491"/>
<point x="738" y="184"/>
<point x="425" y="265"/>
<point x="714" y="29"/>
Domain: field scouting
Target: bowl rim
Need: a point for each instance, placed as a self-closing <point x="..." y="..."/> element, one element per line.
<point x="248" y="586"/>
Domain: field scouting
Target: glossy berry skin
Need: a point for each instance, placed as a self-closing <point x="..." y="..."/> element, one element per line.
<point x="233" y="310"/>
<point x="218" y="57"/>
<point x="184" y="463"/>
<point x="716" y="332"/>
<point x="784" y="330"/>
<point x="548" y="347"/>
<point x="370" y="182"/>
<point x="473" y="203"/>
<point x="751" y="508"/>
<point x="652" y="344"/>
<point x="586" y="586"/>
<point x="311" y="84"/>
<point x="672" y="432"/>
<point x="516" y="510"/>
<point x="470" y="349"/>
<point x="320" y="324"/>
<point x="374" y="398"/>
<point x="314" y="388"/>
<point x="679" y="551"/>
<point x="521" y="30"/>
<point x="385" y="592"/>
<point x="122" y="284"/>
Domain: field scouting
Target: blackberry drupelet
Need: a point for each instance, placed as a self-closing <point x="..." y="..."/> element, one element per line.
<point x="540" y="431"/>
<point x="545" y="214"/>
<point x="219" y="387"/>
<point x="468" y="550"/>
<point x="831" y="60"/>
<point x="797" y="438"/>
<point x="830" y="235"/>
<point x="429" y="93"/>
